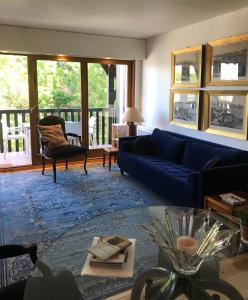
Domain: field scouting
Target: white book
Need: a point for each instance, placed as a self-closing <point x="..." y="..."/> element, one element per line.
<point x="232" y="198"/>
<point x="125" y="270"/>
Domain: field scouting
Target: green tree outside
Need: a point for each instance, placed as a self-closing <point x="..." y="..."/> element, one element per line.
<point x="59" y="84"/>
<point x="13" y="82"/>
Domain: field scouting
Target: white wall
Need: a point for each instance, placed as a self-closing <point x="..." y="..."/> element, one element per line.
<point x="37" y="41"/>
<point x="156" y="69"/>
<point x="138" y="83"/>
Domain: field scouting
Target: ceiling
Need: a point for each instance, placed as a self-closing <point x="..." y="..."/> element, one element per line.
<point x="127" y="18"/>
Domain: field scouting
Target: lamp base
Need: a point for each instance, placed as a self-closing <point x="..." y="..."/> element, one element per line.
<point x="132" y="129"/>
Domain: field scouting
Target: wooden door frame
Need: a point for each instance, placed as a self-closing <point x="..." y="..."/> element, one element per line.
<point x="30" y="84"/>
<point x="130" y="88"/>
<point x="33" y="94"/>
<point x="130" y="75"/>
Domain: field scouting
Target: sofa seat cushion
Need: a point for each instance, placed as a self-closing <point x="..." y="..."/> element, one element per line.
<point x="197" y="154"/>
<point x="171" y="176"/>
<point x="167" y="146"/>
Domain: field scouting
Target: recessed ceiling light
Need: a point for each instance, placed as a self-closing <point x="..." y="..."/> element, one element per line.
<point x="61" y="57"/>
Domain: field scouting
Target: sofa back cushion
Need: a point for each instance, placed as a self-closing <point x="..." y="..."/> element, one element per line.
<point x="197" y="154"/>
<point x="143" y="145"/>
<point x="167" y="146"/>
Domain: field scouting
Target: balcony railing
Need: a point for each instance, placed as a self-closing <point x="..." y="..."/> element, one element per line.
<point x="105" y="117"/>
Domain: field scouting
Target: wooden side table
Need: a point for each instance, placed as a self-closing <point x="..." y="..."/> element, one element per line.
<point x="110" y="152"/>
<point x="219" y="205"/>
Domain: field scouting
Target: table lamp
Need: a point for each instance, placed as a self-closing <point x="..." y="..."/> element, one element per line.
<point x="130" y="116"/>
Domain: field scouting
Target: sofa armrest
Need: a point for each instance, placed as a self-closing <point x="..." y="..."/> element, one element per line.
<point x="223" y="179"/>
<point x="127" y="139"/>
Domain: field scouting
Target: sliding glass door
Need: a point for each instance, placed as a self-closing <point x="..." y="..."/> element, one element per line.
<point x="107" y="99"/>
<point x="15" y="144"/>
<point x="89" y="94"/>
<point x="59" y="93"/>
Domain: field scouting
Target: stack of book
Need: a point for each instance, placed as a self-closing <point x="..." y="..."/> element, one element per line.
<point x="232" y="199"/>
<point x="109" y="250"/>
<point x="115" y="260"/>
<point x="110" y="256"/>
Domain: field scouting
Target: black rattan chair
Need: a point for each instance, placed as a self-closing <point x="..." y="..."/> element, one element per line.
<point x="61" y="153"/>
<point x="15" y="291"/>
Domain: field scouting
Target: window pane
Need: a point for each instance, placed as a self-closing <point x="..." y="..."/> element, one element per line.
<point x="14" y="111"/>
<point x="107" y="94"/>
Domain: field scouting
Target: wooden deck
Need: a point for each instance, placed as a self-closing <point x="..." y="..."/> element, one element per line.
<point x="14" y="159"/>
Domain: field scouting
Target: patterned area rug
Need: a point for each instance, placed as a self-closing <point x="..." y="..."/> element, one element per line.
<point x="69" y="251"/>
<point x="34" y="209"/>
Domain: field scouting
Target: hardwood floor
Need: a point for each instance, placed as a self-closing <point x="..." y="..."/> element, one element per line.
<point x="9" y="169"/>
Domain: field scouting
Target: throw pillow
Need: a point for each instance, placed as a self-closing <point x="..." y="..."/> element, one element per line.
<point x="143" y="145"/>
<point x="213" y="162"/>
<point x="167" y="145"/>
<point x="54" y="135"/>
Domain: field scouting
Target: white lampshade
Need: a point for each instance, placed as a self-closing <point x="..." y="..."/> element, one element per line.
<point x="132" y="115"/>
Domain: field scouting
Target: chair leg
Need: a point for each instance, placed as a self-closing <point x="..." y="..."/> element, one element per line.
<point x="54" y="170"/>
<point x="43" y="164"/>
<point x="66" y="164"/>
<point x="85" y="161"/>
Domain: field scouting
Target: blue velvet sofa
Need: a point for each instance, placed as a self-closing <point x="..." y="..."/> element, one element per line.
<point x="181" y="169"/>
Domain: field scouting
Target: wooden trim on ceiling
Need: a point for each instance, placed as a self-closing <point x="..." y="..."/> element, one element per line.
<point x="107" y="61"/>
<point x="57" y="58"/>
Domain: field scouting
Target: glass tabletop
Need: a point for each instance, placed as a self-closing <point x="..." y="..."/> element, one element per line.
<point x="69" y="252"/>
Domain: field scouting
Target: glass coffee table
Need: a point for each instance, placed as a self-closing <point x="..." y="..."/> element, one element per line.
<point x="69" y="252"/>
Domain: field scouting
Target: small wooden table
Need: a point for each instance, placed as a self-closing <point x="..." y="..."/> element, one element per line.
<point x="110" y="152"/>
<point x="219" y="205"/>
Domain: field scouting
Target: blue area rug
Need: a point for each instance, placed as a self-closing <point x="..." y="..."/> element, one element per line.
<point x="34" y="209"/>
